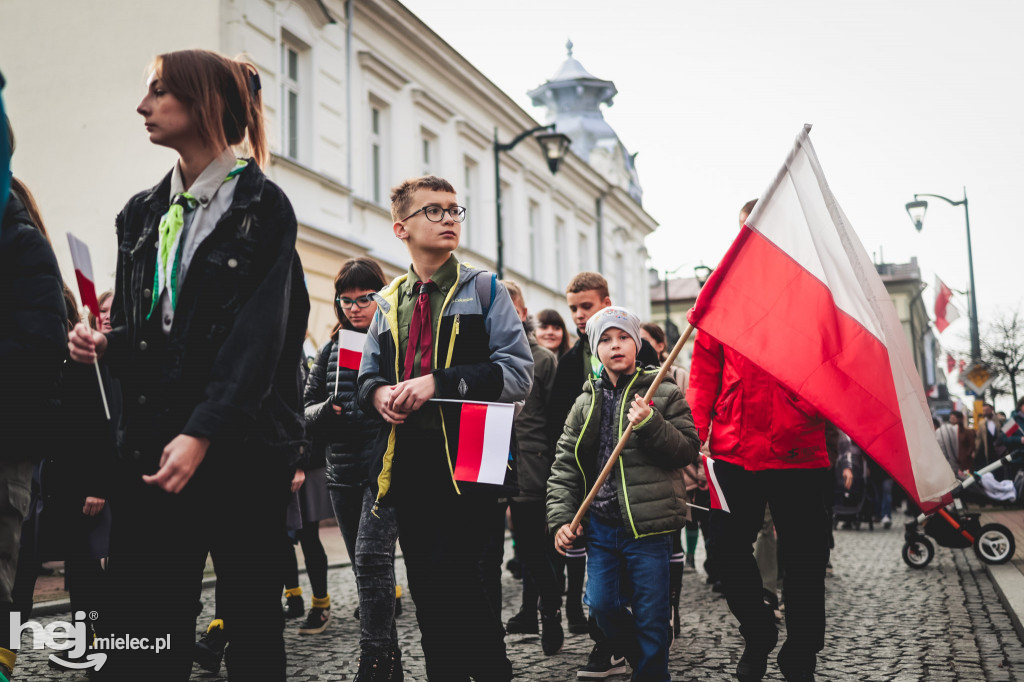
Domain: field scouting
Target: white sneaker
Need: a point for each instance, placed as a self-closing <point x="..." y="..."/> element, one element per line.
<point x="886" y="522"/>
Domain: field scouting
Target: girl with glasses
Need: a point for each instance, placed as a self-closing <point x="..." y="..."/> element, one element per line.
<point x="344" y="435"/>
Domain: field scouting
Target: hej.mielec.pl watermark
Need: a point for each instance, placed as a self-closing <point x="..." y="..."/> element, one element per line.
<point x="61" y="635"/>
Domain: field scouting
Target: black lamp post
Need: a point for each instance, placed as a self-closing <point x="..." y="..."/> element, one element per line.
<point x="916" y="210"/>
<point x="554" y="146"/>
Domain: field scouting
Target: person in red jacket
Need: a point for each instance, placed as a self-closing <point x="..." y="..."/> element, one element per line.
<point x="767" y="447"/>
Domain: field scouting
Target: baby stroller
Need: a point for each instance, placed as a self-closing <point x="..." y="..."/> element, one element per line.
<point x="993" y="542"/>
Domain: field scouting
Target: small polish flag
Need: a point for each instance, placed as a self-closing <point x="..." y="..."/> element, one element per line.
<point x="1011" y="428"/>
<point x="485" y="437"/>
<point x="714" y="485"/>
<point x="83" y="271"/>
<point x="350" y="349"/>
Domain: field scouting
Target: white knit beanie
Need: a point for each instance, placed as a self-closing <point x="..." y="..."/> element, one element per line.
<point x="609" y="317"/>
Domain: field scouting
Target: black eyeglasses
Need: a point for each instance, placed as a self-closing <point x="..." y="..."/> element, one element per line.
<point x="435" y="214"/>
<point x="362" y="302"/>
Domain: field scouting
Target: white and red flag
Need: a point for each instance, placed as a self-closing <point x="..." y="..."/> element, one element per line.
<point x="484" y="441"/>
<point x="945" y="312"/>
<point x="350" y="349"/>
<point x="83" y="272"/>
<point x="798" y="295"/>
<point x="1011" y="428"/>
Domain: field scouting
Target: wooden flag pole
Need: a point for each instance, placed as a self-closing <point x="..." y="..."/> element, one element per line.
<point x="337" y="367"/>
<point x="629" y="429"/>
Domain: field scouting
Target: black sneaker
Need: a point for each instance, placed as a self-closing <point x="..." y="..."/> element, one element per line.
<point x="576" y="619"/>
<point x="316" y="621"/>
<point x="209" y="651"/>
<point x="523" y="623"/>
<point x="374" y="669"/>
<point x="552" y="637"/>
<point x="603" y="663"/>
<point x="294" y="607"/>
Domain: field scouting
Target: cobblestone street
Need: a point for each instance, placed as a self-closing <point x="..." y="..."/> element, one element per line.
<point x="885" y="622"/>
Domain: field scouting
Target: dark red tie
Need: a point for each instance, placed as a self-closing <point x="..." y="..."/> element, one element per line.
<point x="421" y="333"/>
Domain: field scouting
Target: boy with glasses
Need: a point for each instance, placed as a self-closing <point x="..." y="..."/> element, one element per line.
<point x="443" y="330"/>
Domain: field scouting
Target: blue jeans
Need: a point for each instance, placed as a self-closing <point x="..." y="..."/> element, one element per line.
<point x="625" y="570"/>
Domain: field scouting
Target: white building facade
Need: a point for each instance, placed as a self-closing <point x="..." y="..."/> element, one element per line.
<point x="358" y="95"/>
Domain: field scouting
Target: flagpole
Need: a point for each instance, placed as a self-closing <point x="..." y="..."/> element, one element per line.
<point x="337" y="367"/>
<point x="103" y="393"/>
<point x="629" y="430"/>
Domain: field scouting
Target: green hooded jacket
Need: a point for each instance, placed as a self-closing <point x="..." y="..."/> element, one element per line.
<point x="651" y="489"/>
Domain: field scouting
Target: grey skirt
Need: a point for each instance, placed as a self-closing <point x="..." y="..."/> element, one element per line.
<point x="312" y="502"/>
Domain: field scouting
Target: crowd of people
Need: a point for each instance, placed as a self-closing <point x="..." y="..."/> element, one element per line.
<point x="225" y="441"/>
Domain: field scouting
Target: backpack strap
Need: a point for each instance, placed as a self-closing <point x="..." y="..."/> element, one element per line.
<point x="482" y="291"/>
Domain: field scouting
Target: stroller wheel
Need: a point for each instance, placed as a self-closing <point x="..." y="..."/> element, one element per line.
<point x="994" y="544"/>
<point x="919" y="552"/>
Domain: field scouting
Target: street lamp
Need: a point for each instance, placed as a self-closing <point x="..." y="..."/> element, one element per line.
<point x="554" y="146"/>
<point x="916" y="210"/>
<point x="702" y="273"/>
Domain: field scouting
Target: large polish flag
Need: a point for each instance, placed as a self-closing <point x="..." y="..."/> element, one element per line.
<point x="945" y="312"/>
<point x="484" y="441"/>
<point x="798" y="295"/>
<point x="83" y="272"/>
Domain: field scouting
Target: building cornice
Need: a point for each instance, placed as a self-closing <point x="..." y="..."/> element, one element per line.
<point x="472" y="134"/>
<point x="424" y="100"/>
<point x="389" y="74"/>
<point x="324" y="180"/>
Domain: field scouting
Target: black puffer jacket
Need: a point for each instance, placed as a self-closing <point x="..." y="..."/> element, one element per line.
<point x="346" y="439"/>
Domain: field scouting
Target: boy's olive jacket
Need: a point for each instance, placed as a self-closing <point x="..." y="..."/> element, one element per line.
<point x="651" y="489"/>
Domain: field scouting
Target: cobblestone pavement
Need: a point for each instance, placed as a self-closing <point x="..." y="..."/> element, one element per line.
<point x="885" y="622"/>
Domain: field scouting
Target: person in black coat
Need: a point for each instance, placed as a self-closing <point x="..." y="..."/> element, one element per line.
<point x="33" y="337"/>
<point x="344" y="435"/>
<point x="209" y="317"/>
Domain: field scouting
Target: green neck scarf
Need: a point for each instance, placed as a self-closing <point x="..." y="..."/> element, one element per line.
<point x="168" y="255"/>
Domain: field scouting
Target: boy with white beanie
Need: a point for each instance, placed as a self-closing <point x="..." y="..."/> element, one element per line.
<point x="642" y="501"/>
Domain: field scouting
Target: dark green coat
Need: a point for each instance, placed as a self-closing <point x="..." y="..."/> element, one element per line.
<point x="652" y="493"/>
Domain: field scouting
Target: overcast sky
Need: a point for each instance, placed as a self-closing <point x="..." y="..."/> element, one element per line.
<point x="905" y="97"/>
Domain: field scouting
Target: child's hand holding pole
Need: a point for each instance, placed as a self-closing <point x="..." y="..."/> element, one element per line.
<point x="638" y="410"/>
<point x="566" y="536"/>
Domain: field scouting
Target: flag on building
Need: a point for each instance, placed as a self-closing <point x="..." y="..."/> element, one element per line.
<point x="798" y="295"/>
<point x="945" y="312"/>
<point x="484" y="441"/>
<point x="350" y="349"/>
<point x="83" y="272"/>
<point x="1011" y="427"/>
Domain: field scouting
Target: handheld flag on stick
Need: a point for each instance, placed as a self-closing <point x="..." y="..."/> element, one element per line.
<point x="484" y="441"/>
<point x="798" y="296"/>
<point x="350" y="352"/>
<point x="1011" y="428"/>
<point x="614" y="457"/>
<point x="87" y="292"/>
<point x="83" y="273"/>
